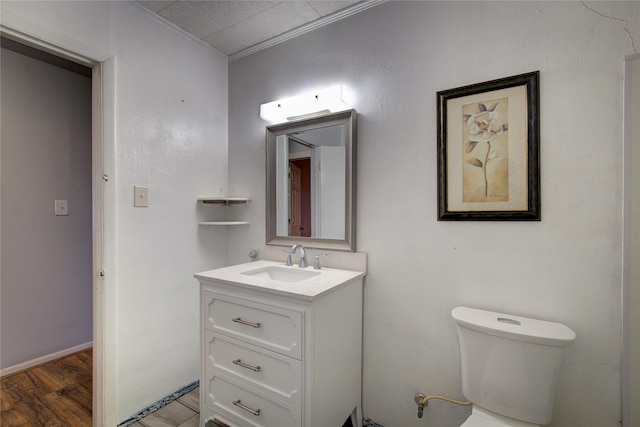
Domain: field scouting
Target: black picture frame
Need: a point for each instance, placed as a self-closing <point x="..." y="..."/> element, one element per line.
<point x="488" y="146"/>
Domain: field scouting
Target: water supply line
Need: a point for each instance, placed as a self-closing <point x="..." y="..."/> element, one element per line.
<point x="423" y="401"/>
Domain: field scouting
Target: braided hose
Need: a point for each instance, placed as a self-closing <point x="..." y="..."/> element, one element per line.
<point x="423" y="401"/>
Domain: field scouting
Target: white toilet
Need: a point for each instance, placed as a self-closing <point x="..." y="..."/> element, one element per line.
<point x="509" y="366"/>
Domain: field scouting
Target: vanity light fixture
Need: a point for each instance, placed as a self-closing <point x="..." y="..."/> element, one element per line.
<point x="303" y="106"/>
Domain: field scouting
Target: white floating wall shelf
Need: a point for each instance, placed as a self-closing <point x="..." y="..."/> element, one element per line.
<point x="222" y="223"/>
<point x="226" y="201"/>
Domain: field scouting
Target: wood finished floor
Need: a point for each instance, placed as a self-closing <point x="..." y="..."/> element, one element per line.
<point x="58" y="394"/>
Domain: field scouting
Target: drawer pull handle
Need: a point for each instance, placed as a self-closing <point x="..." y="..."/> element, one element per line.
<point x="244" y="322"/>
<point x="239" y="404"/>
<point x="239" y="362"/>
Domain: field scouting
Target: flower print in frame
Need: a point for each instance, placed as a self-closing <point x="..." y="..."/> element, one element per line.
<point x="488" y="151"/>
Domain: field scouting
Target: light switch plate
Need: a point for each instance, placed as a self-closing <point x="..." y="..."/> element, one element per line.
<point x="60" y="208"/>
<point x="140" y="196"/>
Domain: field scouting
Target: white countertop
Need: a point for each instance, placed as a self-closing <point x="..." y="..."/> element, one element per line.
<point x="309" y="289"/>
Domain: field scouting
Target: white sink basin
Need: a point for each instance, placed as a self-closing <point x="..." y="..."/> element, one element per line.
<point x="276" y="278"/>
<point x="282" y="274"/>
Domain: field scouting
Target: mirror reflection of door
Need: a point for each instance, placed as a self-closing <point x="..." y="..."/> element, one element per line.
<point x="323" y="210"/>
<point x="310" y="183"/>
<point x="300" y="197"/>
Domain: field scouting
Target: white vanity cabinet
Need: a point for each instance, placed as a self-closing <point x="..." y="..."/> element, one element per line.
<point x="275" y="357"/>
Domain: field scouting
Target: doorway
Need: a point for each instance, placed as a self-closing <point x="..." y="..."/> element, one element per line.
<point x="300" y="197"/>
<point x="93" y="178"/>
<point x="631" y="247"/>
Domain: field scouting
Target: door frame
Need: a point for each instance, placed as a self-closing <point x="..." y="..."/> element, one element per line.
<point x="103" y="159"/>
<point x="630" y="290"/>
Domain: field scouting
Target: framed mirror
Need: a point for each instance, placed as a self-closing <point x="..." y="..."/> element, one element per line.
<point x="311" y="182"/>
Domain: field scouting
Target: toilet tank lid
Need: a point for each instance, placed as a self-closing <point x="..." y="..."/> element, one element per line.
<point x="514" y="327"/>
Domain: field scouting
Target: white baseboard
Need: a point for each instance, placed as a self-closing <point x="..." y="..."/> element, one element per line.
<point x="44" y="359"/>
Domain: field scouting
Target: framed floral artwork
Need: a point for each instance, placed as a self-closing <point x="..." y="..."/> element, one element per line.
<point x="488" y="151"/>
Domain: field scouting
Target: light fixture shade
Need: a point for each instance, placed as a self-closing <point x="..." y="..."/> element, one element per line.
<point x="301" y="106"/>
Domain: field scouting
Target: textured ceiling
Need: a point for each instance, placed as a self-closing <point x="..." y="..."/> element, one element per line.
<point x="237" y="26"/>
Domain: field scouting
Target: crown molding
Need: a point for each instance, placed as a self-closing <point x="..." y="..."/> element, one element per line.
<point x="161" y="20"/>
<point x="325" y="20"/>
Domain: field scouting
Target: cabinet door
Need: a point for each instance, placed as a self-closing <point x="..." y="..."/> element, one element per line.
<point x="266" y="326"/>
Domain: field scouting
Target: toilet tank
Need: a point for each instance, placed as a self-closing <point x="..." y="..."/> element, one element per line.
<point x="510" y="364"/>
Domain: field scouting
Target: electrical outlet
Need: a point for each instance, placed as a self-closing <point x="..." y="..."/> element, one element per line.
<point x="140" y="196"/>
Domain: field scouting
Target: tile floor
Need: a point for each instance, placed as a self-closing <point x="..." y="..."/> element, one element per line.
<point x="182" y="412"/>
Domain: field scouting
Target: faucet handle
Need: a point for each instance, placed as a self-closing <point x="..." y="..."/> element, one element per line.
<point x="316" y="264"/>
<point x="288" y="262"/>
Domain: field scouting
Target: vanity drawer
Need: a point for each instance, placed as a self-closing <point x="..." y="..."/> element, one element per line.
<point x="273" y="372"/>
<point x="251" y="407"/>
<point x="269" y="327"/>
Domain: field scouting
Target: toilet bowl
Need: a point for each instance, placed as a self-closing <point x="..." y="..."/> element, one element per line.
<point x="509" y="366"/>
<point x="484" y="418"/>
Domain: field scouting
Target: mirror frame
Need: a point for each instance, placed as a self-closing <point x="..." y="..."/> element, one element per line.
<point x="347" y="118"/>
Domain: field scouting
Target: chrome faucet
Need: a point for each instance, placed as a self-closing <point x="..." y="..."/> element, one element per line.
<point x="303" y="255"/>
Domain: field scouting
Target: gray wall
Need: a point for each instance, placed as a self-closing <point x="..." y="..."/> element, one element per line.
<point x="566" y="268"/>
<point x="46" y="291"/>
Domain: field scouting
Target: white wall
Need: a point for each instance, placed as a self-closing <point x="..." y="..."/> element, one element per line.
<point x="169" y="97"/>
<point x="566" y="268"/>
<point x="46" y="291"/>
<point x="171" y="114"/>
